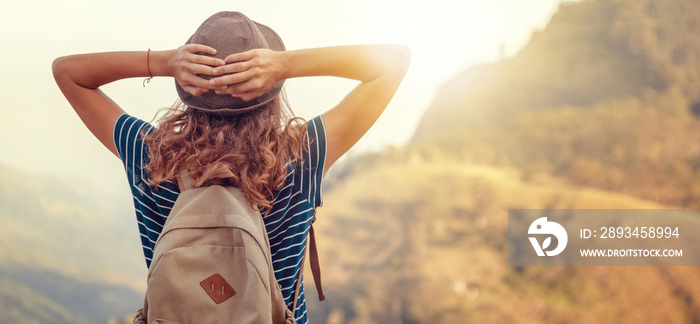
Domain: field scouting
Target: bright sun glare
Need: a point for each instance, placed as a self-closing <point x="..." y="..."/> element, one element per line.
<point x="442" y="39"/>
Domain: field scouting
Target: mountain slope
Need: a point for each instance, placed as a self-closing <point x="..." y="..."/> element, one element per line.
<point x="647" y="147"/>
<point x="425" y="242"/>
<point x="606" y="96"/>
<point x="590" y="52"/>
<point x="38" y="296"/>
<point x="21" y="304"/>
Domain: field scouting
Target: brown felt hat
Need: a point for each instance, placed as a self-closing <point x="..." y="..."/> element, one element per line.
<point x="231" y="32"/>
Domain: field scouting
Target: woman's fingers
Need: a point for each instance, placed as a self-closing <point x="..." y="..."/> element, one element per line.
<point x="242" y="56"/>
<point x="190" y="79"/>
<point x="229" y="79"/>
<point x="198" y="68"/>
<point x="233" y="68"/>
<point x="249" y="86"/>
<point x="199" y="48"/>
<point x="205" y="60"/>
<point x="246" y="90"/>
<point x="245" y="75"/>
<point x="186" y="65"/>
<point x="196" y="61"/>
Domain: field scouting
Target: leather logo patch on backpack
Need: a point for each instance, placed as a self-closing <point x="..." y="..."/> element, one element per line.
<point x="217" y="288"/>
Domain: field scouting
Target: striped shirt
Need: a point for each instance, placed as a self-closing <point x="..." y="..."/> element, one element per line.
<point x="287" y="223"/>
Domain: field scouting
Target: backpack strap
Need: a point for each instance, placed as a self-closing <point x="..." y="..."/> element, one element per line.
<point x="315" y="266"/>
<point x="315" y="269"/>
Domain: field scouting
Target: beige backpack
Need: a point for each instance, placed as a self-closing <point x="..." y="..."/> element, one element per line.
<point x="211" y="263"/>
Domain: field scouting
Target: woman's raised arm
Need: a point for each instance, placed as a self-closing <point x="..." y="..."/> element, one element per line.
<point x="380" y="68"/>
<point x="80" y="76"/>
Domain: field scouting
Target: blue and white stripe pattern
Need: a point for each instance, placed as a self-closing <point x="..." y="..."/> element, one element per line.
<point x="287" y="223"/>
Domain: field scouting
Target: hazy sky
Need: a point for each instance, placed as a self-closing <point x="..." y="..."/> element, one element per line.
<point x="40" y="133"/>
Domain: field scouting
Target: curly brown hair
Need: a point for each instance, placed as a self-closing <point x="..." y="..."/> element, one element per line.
<point x="252" y="150"/>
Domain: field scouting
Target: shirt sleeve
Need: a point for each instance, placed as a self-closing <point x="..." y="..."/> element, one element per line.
<point x="152" y="205"/>
<point x="128" y="139"/>
<point x="315" y="159"/>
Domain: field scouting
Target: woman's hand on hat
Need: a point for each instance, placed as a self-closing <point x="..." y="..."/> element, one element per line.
<point x="248" y="75"/>
<point x="186" y="63"/>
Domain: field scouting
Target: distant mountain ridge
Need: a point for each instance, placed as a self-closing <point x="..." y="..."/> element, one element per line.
<point x="590" y="52"/>
<point x="606" y="96"/>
